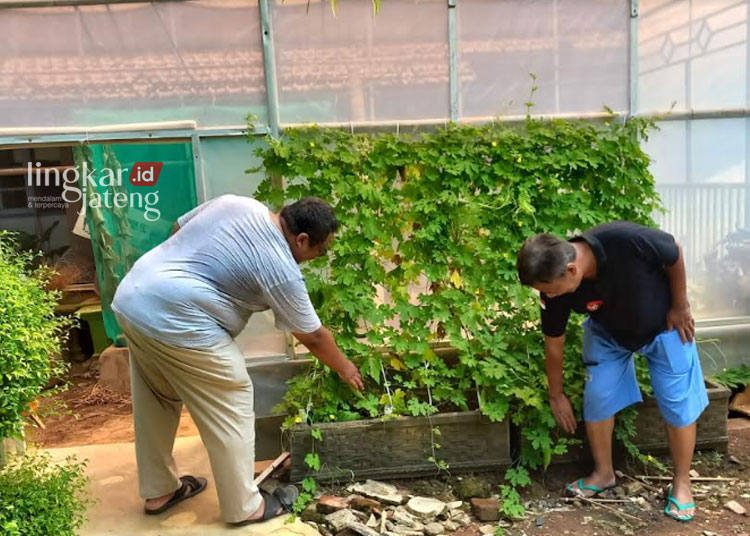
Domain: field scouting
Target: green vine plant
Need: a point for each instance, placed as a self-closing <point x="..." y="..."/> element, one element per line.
<point x="734" y="377"/>
<point x="309" y="484"/>
<point x="441" y="465"/>
<point x="430" y="224"/>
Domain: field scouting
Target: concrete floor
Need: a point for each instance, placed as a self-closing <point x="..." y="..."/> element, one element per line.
<point x="118" y="510"/>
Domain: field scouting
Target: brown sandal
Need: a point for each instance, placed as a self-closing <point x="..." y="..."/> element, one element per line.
<point x="191" y="486"/>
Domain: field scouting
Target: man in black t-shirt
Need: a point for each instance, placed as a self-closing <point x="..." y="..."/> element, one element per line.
<point x="630" y="280"/>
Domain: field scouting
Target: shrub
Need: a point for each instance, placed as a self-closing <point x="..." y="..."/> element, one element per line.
<point x="41" y="498"/>
<point x="30" y="333"/>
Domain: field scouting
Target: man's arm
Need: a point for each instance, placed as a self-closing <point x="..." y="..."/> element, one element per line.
<point x="323" y="346"/>
<point x="175" y="228"/>
<point x="555" y="313"/>
<point x="679" y="316"/>
<point x="559" y="403"/>
<point x="295" y="313"/>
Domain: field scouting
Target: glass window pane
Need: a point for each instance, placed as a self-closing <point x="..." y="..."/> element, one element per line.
<point x="667" y="148"/>
<point x="225" y="160"/>
<point x="594" y="62"/>
<point x="129" y="63"/>
<point x="706" y="193"/>
<point x="693" y="54"/>
<point x="358" y="67"/>
<point x="576" y="49"/>
<point x="718" y="151"/>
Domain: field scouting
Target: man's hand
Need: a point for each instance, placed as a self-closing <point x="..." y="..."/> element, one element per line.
<point x="323" y="346"/>
<point x="563" y="412"/>
<point x="350" y="374"/>
<point x="679" y="316"/>
<point x="681" y="319"/>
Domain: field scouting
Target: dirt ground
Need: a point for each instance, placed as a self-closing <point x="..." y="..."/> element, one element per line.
<point x="97" y="416"/>
<point x="86" y="414"/>
<point x="549" y="516"/>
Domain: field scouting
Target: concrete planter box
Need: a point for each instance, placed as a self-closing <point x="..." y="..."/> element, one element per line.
<point x="401" y="447"/>
<point x="712" y="433"/>
<point x="651" y="434"/>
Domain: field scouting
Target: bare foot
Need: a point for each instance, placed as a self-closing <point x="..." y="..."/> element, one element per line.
<point x="599" y="480"/>
<point x="682" y="494"/>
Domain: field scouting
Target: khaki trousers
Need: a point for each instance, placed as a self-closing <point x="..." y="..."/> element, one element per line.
<point x="214" y="385"/>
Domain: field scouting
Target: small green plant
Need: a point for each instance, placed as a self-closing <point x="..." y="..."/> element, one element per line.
<point x="510" y="498"/>
<point x="41" y="498"/>
<point x="30" y="333"/>
<point x="734" y="378"/>
<point x="309" y="484"/>
<point x="510" y="502"/>
<point x="435" y="445"/>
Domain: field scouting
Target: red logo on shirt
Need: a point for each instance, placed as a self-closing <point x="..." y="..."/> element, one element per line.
<point x="594" y="305"/>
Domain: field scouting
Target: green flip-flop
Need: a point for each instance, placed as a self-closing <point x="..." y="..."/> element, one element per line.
<point x="582" y="487"/>
<point x="671" y="501"/>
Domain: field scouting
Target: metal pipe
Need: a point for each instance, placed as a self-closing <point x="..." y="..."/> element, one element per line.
<point x="162" y="125"/>
<point x="274" y="116"/>
<point x="418" y="124"/>
<point x="453" y="60"/>
<point x="74" y="3"/>
<point x="116" y="136"/>
<point x="258" y="130"/>
<point x="201" y="188"/>
<point x="556" y="39"/>
<point x="746" y="206"/>
<point x="269" y="65"/>
<point x="52" y="140"/>
<point x="633" y="46"/>
<point x="718" y="113"/>
<point x="12" y="172"/>
<point x="67" y="135"/>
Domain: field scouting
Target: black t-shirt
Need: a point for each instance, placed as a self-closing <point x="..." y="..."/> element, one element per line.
<point x="630" y="296"/>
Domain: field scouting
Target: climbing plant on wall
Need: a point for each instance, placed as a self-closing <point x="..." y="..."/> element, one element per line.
<point x="430" y="227"/>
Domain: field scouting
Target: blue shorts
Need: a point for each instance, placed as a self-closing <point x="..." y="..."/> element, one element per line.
<point x="611" y="384"/>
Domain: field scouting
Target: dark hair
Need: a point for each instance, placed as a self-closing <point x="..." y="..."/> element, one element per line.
<point x="543" y="258"/>
<point x="310" y="215"/>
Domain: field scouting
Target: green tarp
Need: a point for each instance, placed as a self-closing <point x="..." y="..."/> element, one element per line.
<point x="124" y="219"/>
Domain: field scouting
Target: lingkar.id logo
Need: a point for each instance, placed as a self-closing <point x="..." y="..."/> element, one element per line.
<point x="94" y="189"/>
